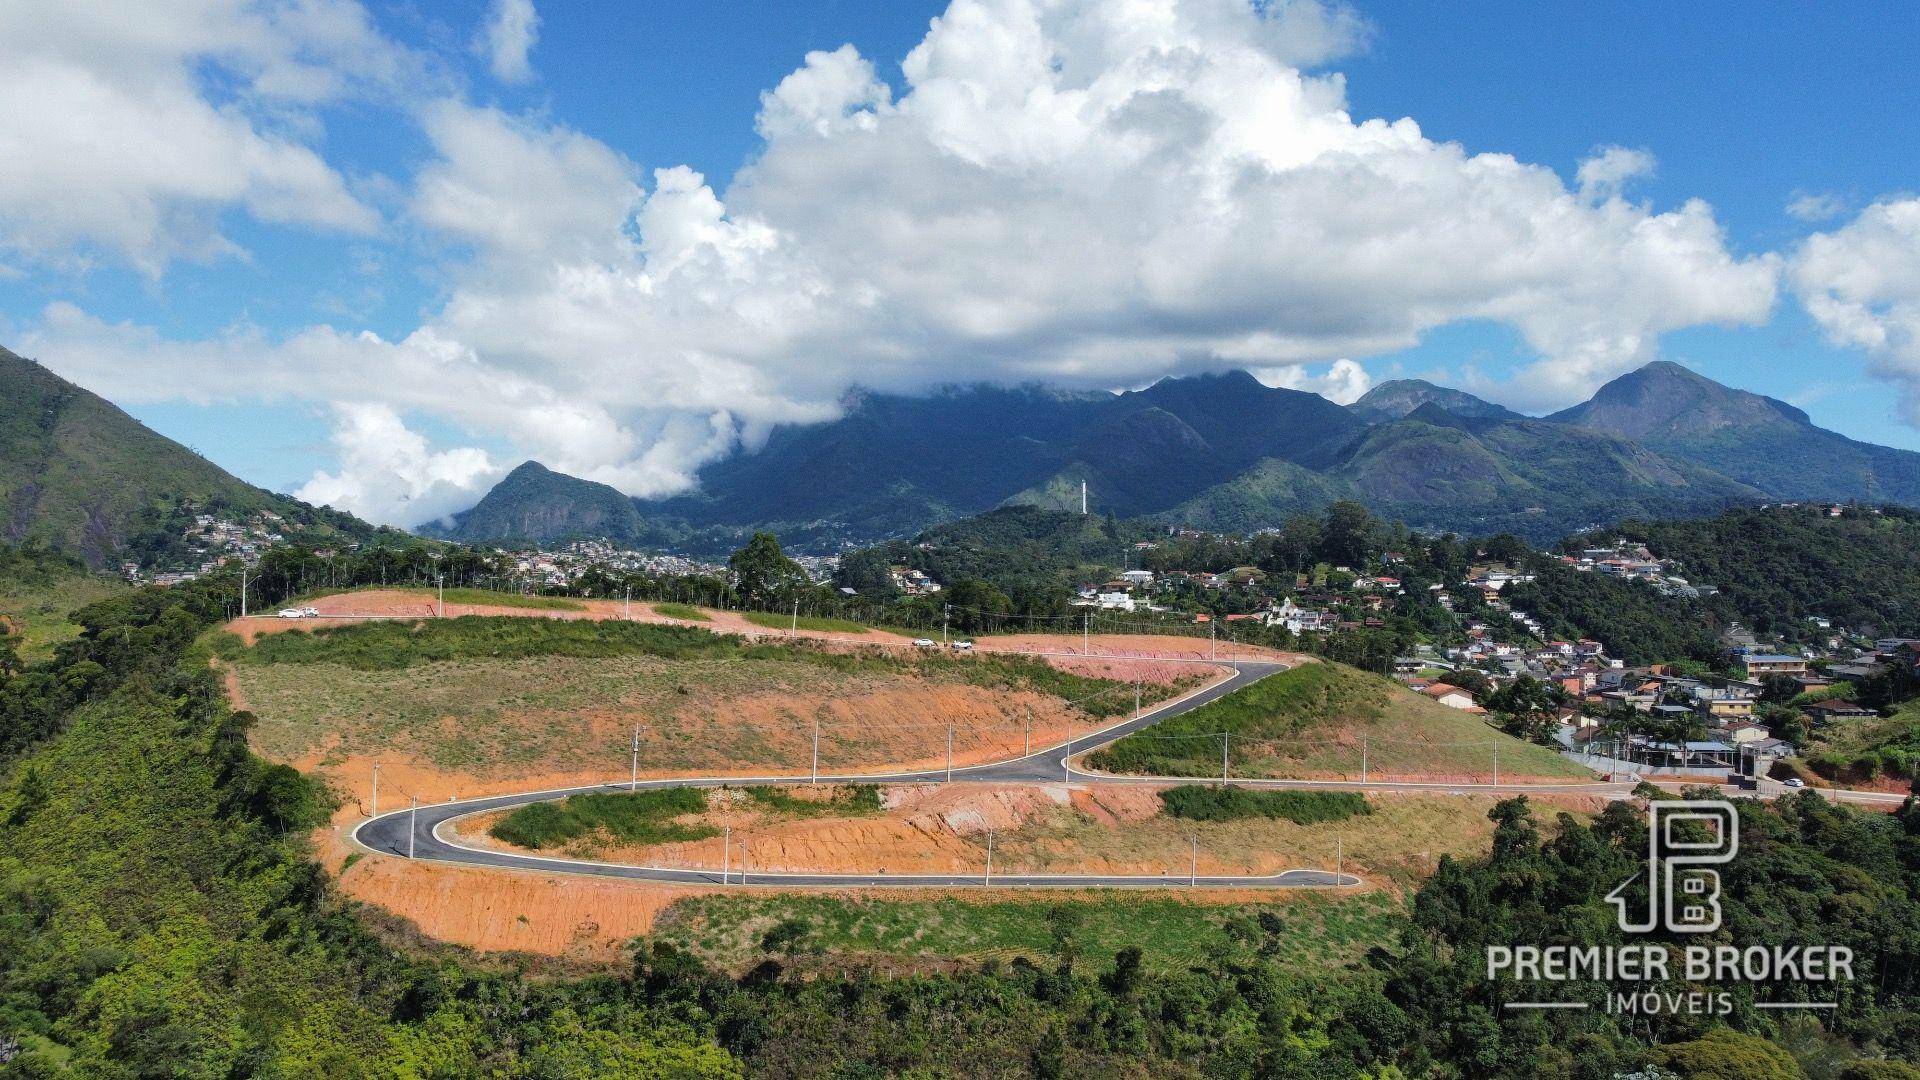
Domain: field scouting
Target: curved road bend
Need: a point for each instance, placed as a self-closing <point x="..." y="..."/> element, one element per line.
<point x="388" y="834"/>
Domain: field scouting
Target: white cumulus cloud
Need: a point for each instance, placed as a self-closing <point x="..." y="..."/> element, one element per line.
<point x="509" y="35"/>
<point x="117" y="151"/>
<point x="1861" y="283"/>
<point x="388" y="474"/>
<point x="1611" y="168"/>
<point x="1087" y="192"/>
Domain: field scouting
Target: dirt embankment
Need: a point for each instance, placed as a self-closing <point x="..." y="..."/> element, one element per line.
<point x="924" y="829"/>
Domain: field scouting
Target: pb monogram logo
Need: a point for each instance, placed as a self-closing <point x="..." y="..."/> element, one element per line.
<point x="1682" y="894"/>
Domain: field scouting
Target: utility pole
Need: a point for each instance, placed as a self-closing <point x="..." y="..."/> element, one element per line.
<point x="633" y="775"/>
<point x="1066" y="770"/>
<point x="1226" y="740"/>
<point x="626" y="604"/>
<point x="1086" y="634"/>
<point x="949" y="753"/>
<point x="794" y="633"/>
<point x="1213" y="643"/>
<point x="1136" y="699"/>
<point x="243" y="588"/>
<point x="440" y="587"/>
<point x="1496" y="766"/>
<point x="1027" y="728"/>
<point x="413" y="815"/>
<point x="726" y="856"/>
<point x="1083" y="498"/>
<point x="373" y="810"/>
<point x="816" y="750"/>
<point x="946" y="615"/>
<point x="989" y="855"/>
<point x="1339" y="858"/>
<point x="1363" y="759"/>
<point x="1193" y="867"/>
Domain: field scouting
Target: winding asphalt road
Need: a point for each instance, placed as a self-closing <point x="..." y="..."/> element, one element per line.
<point x="419" y="833"/>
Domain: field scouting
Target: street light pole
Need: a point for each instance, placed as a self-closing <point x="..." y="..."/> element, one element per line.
<point x="949" y="753"/>
<point x="633" y="775"/>
<point x="989" y="855"/>
<point x="816" y="750"/>
<point x="440" y="588"/>
<point x="243" y="588"/>
<point x="373" y="810"/>
<point x="726" y="857"/>
<point x="794" y="632"/>
<point x="413" y="816"/>
<point x="1226" y="740"/>
<point x="1363" y="759"/>
<point x="1193" y="867"/>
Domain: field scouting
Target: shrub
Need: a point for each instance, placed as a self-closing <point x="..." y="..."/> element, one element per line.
<point x="641" y="817"/>
<point x="1195" y="802"/>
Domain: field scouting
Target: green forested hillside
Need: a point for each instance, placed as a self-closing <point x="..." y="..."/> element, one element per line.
<point x="1635" y="623"/>
<point x="1015" y="547"/>
<point x="80" y="475"/>
<point x="160" y="916"/>
<point x="1753" y="439"/>
<point x="1777" y="567"/>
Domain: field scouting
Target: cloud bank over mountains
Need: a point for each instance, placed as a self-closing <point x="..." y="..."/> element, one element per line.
<point x="1094" y="193"/>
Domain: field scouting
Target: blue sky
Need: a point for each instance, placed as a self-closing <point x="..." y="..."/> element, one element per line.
<point x="444" y="274"/>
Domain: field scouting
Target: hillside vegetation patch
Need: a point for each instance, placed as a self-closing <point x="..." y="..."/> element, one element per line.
<point x="639" y="817"/>
<point x="1311" y="720"/>
<point x="1196" y="802"/>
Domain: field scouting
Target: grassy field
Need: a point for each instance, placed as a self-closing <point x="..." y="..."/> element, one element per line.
<point x="1399" y="841"/>
<point x="684" y="612"/>
<point x="773" y="620"/>
<point x="40" y="612"/>
<point x="508" y="695"/>
<point x="1311" y="932"/>
<point x="1861" y="751"/>
<point x="1310" y="720"/>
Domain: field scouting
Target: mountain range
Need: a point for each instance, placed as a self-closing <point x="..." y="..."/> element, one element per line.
<point x="80" y="475"/>
<point x="1229" y="453"/>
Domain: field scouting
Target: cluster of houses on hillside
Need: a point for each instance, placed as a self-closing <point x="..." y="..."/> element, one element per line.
<point x="564" y="565"/>
<point x="1633" y="562"/>
<point x="911" y="582"/>
<point x="1725" y="708"/>
<point x="213" y="541"/>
